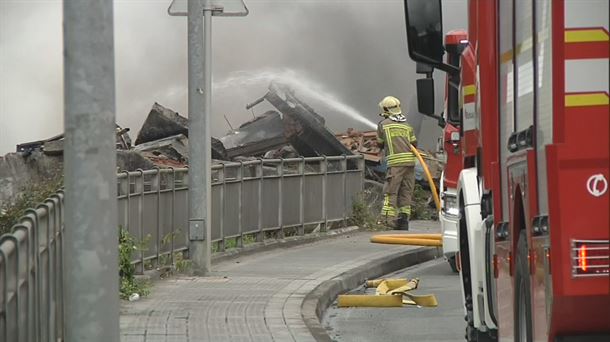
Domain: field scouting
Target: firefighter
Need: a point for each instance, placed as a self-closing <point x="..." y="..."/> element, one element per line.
<point x="396" y="138"/>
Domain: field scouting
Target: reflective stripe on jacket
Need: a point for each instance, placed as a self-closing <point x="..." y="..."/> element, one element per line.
<point x="397" y="137"/>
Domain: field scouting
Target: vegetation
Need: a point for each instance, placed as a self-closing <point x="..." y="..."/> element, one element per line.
<point x="128" y="283"/>
<point x="421" y="207"/>
<point x="365" y="214"/>
<point x="30" y="197"/>
<point x="363" y="217"/>
<point x="231" y="243"/>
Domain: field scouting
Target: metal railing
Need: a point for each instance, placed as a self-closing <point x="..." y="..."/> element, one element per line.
<point x="249" y="199"/>
<point x="276" y="197"/>
<point x="31" y="284"/>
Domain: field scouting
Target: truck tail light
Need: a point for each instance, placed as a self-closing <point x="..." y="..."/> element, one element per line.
<point x="590" y="258"/>
<point x="582" y="258"/>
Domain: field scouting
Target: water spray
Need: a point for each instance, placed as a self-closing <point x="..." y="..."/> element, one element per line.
<point x="297" y="82"/>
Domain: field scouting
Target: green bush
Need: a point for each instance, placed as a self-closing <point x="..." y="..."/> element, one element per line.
<point x="362" y="215"/>
<point x="128" y="282"/>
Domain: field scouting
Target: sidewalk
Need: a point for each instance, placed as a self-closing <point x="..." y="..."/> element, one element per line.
<point x="251" y="298"/>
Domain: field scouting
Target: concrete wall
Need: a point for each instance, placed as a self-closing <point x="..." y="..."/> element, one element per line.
<point x="17" y="172"/>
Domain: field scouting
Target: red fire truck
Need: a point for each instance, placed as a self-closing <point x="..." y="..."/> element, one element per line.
<point x="527" y="94"/>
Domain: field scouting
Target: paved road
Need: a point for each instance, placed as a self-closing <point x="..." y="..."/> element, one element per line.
<point x="444" y="323"/>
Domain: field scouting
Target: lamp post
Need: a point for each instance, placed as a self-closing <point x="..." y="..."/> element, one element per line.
<point x="199" y="13"/>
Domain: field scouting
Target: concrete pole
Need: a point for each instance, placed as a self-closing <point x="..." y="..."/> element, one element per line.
<point x="199" y="144"/>
<point x="91" y="293"/>
<point x="207" y="115"/>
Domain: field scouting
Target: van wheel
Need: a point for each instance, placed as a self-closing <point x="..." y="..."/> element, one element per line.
<point x="523" y="309"/>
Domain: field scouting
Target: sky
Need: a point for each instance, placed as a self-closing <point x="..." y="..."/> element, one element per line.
<point x="342" y="56"/>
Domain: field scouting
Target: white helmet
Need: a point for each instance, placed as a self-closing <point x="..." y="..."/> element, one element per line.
<point x="390" y="108"/>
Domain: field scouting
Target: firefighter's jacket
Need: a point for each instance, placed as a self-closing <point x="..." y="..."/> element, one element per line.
<point x="396" y="136"/>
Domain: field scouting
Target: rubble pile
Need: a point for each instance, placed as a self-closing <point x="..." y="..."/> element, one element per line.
<point x="293" y="129"/>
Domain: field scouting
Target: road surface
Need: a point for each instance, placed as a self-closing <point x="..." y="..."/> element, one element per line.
<point x="444" y="323"/>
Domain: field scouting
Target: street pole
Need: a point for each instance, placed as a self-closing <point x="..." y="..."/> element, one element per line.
<point x="91" y="283"/>
<point x="207" y="114"/>
<point x="199" y="140"/>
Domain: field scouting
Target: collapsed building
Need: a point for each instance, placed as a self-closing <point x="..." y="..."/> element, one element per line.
<point x="292" y="129"/>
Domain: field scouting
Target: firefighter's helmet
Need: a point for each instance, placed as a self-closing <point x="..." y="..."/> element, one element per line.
<point x="390" y="108"/>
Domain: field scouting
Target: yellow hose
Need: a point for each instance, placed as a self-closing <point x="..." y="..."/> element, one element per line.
<point x="389" y="293"/>
<point x="430" y="240"/>
<point x="430" y="180"/>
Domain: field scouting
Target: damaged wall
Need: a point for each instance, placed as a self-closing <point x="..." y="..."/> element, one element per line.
<point x="18" y="172"/>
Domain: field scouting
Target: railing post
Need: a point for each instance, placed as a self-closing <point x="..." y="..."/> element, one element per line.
<point x="280" y="207"/>
<point x="139" y="188"/>
<point x="301" y="230"/>
<point x="125" y="188"/>
<point x="157" y="184"/>
<point x="53" y="271"/>
<point x="344" y="181"/>
<point x="324" y="169"/>
<point x="46" y="316"/>
<point x="33" y="276"/>
<point x="223" y="189"/>
<point x="240" y="207"/>
<point x="16" y="268"/>
<point x="172" y="218"/>
<point x="260" y="235"/>
<point x="60" y="256"/>
<point x="362" y="166"/>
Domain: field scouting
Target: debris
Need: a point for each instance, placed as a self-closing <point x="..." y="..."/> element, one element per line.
<point x="303" y="127"/>
<point x="29" y="147"/>
<point x="256" y="137"/>
<point x="174" y="147"/>
<point x="163" y="122"/>
<point x="284" y="152"/>
<point x="54" y="146"/>
<point x="130" y="160"/>
<point x="364" y="143"/>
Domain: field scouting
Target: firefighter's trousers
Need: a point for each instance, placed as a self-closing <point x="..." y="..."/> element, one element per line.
<point x="398" y="189"/>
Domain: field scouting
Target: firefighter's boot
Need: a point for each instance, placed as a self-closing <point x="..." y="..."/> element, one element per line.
<point x="403" y="222"/>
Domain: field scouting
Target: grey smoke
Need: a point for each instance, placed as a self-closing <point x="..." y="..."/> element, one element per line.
<point x="355" y="49"/>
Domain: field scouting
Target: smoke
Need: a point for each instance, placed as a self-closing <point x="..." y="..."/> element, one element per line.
<point x="346" y="56"/>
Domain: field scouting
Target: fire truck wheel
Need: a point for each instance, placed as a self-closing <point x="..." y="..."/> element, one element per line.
<point x="452" y="264"/>
<point x="523" y="310"/>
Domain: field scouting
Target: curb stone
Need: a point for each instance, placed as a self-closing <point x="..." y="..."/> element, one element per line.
<point x="317" y="301"/>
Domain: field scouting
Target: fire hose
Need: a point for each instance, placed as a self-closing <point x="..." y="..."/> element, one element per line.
<point x="396" y="292"/>
<point x="428" y="176"/>
<point x="388" y="293"/>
